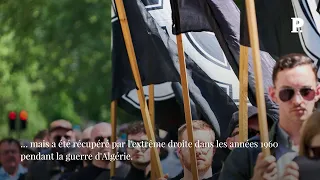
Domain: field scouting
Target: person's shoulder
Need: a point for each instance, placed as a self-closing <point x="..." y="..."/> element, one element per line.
<point x="239" y="164"/>
<point x="39" y="163"/>
<point x="238" y="152"/>
<point x="307" y="163"/>
<point x="308" y="168"/>
<point x="22" y="170"/>
<point x="40" y="169"/>
<point x="80" y="174"/>
<point x="178" y="177"/>
<point x="2" y="173"/>
<point x="216" y="175"/>
<point x="84" y="171"/>
<point x="87" y="169"/>
<point x="123" y="167"/>
<point x="22" y="176"/>
<point x="249" y="154"/>
<point x="123" y="170"/>
<point x="115" y="178"/>
<point x="39" y="166"/>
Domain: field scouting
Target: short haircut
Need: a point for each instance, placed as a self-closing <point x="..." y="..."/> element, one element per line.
<point x="196" y="125"/>
<point x="311" y="129"/>
<point x="138" y="127"/>
<point x="11" y="141"/>
<point x="291" y="61"/>
<point x="41" y="134"/>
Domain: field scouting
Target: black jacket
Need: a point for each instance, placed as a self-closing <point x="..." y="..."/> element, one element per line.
<point x="133" y="174"/>
<point x="240" y="163"/>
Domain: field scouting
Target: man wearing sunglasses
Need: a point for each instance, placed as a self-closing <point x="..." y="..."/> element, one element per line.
<point x="59" y="131"/>
<point x="295" y="90"/>
<point x="100" y="168"/>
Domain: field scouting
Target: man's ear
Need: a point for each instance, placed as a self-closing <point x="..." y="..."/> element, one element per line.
<point x="317" y="93"/>
<point x="272" y="94"/>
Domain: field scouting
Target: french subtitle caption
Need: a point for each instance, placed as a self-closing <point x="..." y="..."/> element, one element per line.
<point x="70" y="156"/>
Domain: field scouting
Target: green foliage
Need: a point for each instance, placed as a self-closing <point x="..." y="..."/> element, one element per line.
<point x="55" y="61"/>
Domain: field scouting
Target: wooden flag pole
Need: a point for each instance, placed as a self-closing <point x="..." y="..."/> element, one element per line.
<point x="114" y="134"/>
<point x="254" y="41"/>
<point x="151" y="104"/>
<point x="134" y="66"/>
<point x="152" y="115"/>
<point x="243" y="107"/>
<point x="186" y="103"/>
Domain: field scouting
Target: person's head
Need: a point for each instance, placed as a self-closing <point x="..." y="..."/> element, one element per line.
<point x="10" y="150"/>
<point x="60" y="130"/>
<point x="202" y="133"/>
<point x="137" y="133"/>
<point x="41" y="136"/>
<point x="253" y="126"/>
<point x="85" y="137"/>
<point x="310" y="139"/>
<point x="101" y="132"/>
<point x="295" y="89"/>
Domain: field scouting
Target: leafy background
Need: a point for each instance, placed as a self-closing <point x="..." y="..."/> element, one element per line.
<point x="55" y="62"/>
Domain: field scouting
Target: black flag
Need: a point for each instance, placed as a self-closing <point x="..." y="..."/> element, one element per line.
<point x="223" y="18"/>
<point x="211" y="98"/>
<point x="151" y="54"/>
<point x="191" y="16"/>
<point x="274" y="20"/>
<point x="274" y="26"/>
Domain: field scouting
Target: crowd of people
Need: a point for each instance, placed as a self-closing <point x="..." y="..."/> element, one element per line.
<point x="297" y="132"/>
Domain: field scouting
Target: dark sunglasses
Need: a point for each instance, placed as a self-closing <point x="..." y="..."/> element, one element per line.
<point x="58" y="138"/>
<point x="85" y="140"/>
<point x="251" y="133"/>
<point x="143" y="149"/>
<point x="287" y="94"/>
<point x="102" y="139"/>
<point x="316" y="152"/>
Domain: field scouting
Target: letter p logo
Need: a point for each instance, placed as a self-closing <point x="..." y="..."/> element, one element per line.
<point x="297" y="23"/>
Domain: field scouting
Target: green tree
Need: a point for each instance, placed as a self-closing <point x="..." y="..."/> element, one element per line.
<point x="55" y="60"/>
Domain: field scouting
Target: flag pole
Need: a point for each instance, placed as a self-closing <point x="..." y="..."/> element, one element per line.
<point x="186" y="103"/>
<point x="113" y="136"/>
<point x="243" y="107"/>
<point x="134" y="66"/>
<point x="152" y="115"/>
<point x="254" y="41"/>
<point x="151" y="105"/>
